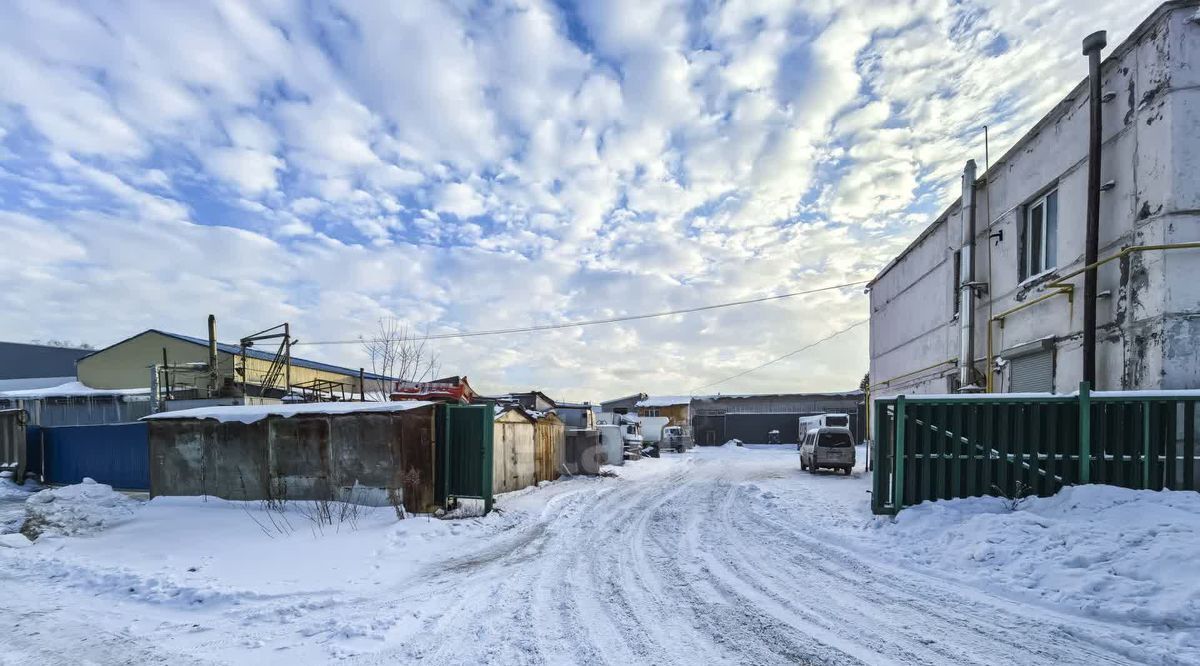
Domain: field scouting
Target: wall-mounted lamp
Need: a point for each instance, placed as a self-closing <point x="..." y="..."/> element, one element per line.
<point x="1108" y="186"/>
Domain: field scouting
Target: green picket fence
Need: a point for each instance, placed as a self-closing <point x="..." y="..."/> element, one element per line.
<point x="943" y="447"/>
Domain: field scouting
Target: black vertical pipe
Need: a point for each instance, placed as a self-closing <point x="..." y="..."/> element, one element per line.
<point x="1092" y="45"/>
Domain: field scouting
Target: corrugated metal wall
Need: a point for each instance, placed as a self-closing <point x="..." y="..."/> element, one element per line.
<point x="115" y="454"/>
<point x="81" y="411"/>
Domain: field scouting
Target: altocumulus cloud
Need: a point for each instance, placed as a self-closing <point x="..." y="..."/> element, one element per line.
<point x="477" y="165"/>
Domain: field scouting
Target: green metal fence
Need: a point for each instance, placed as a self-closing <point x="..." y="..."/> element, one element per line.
<point x="464" y="446"/>
<point x="943" y="447"/>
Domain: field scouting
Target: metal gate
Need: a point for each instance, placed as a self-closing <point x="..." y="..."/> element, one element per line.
<point x="117" y="454"/>
<point x="465" y="451"/>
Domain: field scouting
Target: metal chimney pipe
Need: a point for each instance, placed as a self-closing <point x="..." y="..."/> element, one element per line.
<point x="966" y="280"/>
<point x="213" y="375"/>
<point x="1092" y="45"/>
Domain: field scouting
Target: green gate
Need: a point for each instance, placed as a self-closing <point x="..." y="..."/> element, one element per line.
<point x="465" y="453"/>
<point x="943" y="447"/>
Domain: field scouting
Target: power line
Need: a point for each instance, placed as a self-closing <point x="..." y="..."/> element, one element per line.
<point x="787" y="355"/>
<point x="609" y="320"/>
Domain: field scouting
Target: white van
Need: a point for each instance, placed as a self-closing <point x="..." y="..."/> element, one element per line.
<point x="832" y="420"/>
<point x="828" y="447"/>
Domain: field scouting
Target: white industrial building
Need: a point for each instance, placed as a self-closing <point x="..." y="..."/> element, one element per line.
<point x="1013" y="318"/>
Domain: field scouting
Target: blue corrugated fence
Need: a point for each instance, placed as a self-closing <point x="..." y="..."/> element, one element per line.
<point x="116" y="454"/>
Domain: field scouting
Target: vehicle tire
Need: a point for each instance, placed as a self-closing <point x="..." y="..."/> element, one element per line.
<point x="802" y="465"/>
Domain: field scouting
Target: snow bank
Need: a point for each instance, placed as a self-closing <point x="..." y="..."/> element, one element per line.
<point x="10" y="490"/>
<point x="1109" y="552"/>
<point x="83" y="508"/>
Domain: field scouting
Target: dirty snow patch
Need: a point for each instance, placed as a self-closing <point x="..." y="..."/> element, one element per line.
<point x="83" y="508"/>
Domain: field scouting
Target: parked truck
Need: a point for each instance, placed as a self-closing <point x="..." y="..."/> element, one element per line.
<point x="676" y="438"/>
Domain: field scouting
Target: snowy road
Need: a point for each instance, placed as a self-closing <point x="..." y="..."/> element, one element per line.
<point x="722" y="556"/>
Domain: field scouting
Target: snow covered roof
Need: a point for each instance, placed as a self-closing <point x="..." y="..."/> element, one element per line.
<point x="33" y="383"/>
<point x="73" y="389"/>
<point x="252" y="413"/>
<point x="665" y="401"/>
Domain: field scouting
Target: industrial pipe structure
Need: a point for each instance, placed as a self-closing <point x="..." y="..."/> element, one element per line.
<point x="214" y="380"/>
<point x="1092" y="45"/>
<point x="966" y="282"/>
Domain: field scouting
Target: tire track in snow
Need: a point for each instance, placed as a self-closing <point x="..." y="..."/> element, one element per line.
<point x="973" y="626"/>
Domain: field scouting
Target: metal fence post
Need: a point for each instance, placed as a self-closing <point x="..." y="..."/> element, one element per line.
<point x="1145" y="445"/>
<point x="1085" y="432"/>
<point x="898" y="456"/>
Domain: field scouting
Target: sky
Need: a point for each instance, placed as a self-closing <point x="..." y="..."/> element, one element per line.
<point x="467" y="165"/>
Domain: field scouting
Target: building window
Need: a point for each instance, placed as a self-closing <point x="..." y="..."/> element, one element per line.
<point x="652" y="411"/>
<point x="1039" y="237"/>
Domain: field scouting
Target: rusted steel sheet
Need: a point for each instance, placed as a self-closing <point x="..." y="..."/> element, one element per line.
<point x="302" y="457"/>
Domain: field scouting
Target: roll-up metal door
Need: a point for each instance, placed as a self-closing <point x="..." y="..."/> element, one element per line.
<point x="1032" y="373"/>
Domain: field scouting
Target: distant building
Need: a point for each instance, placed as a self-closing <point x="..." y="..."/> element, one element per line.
<point x="34" y="366"/>
<point x="625" y="405"/>
<point x="138" y="362"/>
<point x="717" y="419"/>
<point x="1025" y="330"/>
<point x="677" y="408"/>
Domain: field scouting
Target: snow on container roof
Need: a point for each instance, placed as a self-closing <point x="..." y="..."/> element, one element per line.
<point x="252" y="413"/>
<point x="70" y="390"/>
<point x="665" y="401"/>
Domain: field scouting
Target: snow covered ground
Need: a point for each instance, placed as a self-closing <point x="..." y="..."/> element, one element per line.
<point x="720" y="555"/>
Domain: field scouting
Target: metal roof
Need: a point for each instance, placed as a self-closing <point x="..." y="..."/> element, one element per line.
<point x="253" y="353"/>
<point x="19" y="360"/>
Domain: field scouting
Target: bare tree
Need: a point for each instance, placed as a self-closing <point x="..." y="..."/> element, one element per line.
<point x="399" y="352"/>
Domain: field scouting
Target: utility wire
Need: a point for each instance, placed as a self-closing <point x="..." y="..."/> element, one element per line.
<point x="609" y="320"/>
<point x="785" y="356"/>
